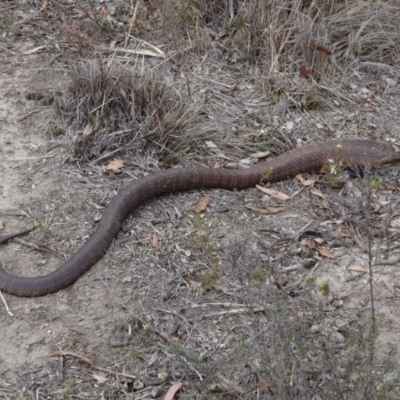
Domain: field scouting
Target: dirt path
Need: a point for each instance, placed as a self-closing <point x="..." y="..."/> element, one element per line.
<point x="22" y="143"/>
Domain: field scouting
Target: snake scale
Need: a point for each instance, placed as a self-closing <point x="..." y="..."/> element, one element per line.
<point x="310" y="157"/>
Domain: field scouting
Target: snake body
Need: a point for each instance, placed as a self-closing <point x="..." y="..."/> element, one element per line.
<point x="307" y="158"/>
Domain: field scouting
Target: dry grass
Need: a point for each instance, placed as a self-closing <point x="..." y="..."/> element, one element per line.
<point x="227" y="317"/>
<point x="129" y="111"/>
<point x="165" y="116"/>
<point x="277" y="34"/>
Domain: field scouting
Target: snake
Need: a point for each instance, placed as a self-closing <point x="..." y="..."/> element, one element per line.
<point x="310" y="157"/>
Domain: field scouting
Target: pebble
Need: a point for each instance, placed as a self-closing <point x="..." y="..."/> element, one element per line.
<point x="337" y="337"/>
<point x="314" y="329"/>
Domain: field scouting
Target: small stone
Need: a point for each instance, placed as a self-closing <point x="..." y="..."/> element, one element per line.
<point x="314" y="329"/>
<point x="337" y="303"/>
<point x="390" y="81"/>
<point x="337" y="337"/>
<point x="163" y="376"/>
<point x="156" y="392"/>
<point x="138" y="385"/>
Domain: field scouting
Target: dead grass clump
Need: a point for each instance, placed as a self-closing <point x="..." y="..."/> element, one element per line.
<point x="368" y="31"/>
<point x="249" y="338"/>
<point x="285" y="34"/>
<point x="215" y="12"/>
<point x="300" y="347"/>
<point x="110" y="109"/>
<point x="334" y="362"/>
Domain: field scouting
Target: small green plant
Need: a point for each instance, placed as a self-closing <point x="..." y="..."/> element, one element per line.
<point x="39" y="226"/>
<point x="9" y="20"/>
<point x="310" y="281"/>
<point x="244" y="346"/>
<point x="110" y="394"/>
<point x="20" y="396"/>
<point x="262" y="137"/>
<point x="186" y="354"/>
<point x="70" y="388"/>
<point x="173" y="159"/>
<point x="389" y="143"/>
<point x="73" y="243"/>
<point x="259" y="276"/>
<point x="227" y="28"/>
<point x="375" y="183"/>
<point x="334" y="168"/>
<point x="303" y="306"/>
<point x="324" y="289"/>
<point x="203" y="240"/>
<point x="271" y="98"/>
<point x="266" y="176"/>
<point x="106" y="27"/>
<point x="132" y="354"/>
<point x="215" y="260"/>
<point x="210" y="278"/>
<point x="313" y="100"/>
<point x="240" y="23"/>
<point x="139" y="323"/>
<point x="54" y="131"/>
<point x="290" y="336"/>
<point x="371" y="334"/>
<point x="199" y="238"/>
<point x="313" y="103"/>
<point x="148" y="331"/>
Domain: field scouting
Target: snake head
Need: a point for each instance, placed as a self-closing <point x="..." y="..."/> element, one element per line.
<point x="391" y="158"/>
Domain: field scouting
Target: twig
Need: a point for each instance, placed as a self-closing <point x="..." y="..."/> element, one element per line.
<point x="28" y="244"/>
<point x="5" y="239"/>
<point x="71" y="354"/>
<point x="245" y="309"/>
<point x="379" y="66"/>
<point x="190" y="366"/>
<point x="29" y="114"/>
<point x="46" y="64"/>
<point x="85" y="359"/>
<point x="35" y="157"/>
<point x="370" y="259"/>
<point x="108" y="155"/>
<point x="14" y="213"/>
<point x="115" y="373"/>
<point x="132" y="24"/>
<point x="5" y="304"/>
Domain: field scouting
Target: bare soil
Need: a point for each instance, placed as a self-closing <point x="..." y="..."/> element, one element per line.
<point x="231" y="302"/>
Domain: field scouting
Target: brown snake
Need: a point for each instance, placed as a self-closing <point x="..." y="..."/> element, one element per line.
<point x="307" y="158"/>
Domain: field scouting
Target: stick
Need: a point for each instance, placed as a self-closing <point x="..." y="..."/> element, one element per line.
<point x="5" y="239"/>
